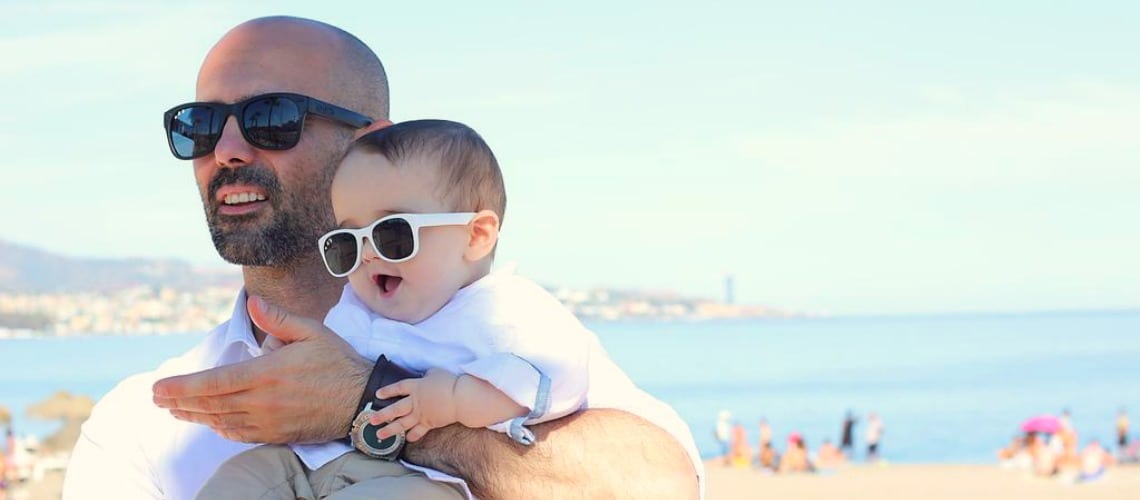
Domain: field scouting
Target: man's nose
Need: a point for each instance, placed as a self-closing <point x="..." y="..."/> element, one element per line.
<point x="232" y="149"/>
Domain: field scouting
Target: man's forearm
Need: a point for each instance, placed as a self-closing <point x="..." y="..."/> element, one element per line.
<point x="594" y="453"/>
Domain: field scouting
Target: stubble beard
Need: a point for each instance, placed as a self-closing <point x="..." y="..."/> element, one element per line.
<point x="285" y="235"/>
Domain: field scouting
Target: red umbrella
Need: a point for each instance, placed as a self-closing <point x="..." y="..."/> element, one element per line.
<point x="1042" y="423"/>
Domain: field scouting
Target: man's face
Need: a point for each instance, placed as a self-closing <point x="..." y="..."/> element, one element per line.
<point x="267" y="208"/>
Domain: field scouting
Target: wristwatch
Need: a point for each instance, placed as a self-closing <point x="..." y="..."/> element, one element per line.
<point x="363" y="433"/>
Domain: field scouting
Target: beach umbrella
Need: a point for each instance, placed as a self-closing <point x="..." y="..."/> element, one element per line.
<point x="69" y="408"/>
<point x="1042" y="423"/>
<point x="62" y="406"/>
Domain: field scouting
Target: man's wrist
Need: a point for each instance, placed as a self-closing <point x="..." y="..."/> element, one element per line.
<point x="356" y="384"/>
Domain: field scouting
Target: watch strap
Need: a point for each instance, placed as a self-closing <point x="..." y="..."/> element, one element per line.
<point x="384" y="373"/>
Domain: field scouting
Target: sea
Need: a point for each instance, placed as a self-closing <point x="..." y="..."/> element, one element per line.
<point x="949" y="389"/>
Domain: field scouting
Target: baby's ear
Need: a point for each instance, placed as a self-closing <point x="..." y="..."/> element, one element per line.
<point x="482" y="235"/>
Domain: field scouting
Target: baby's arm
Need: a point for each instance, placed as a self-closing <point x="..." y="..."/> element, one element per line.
<point x="532" y="366"/>
<point x="439" y="399"/>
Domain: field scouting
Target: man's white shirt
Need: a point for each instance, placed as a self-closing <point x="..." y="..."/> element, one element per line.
<point x="130" y="448"/>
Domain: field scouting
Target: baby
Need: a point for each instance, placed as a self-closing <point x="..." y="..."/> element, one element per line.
<point x="419" y="206"/>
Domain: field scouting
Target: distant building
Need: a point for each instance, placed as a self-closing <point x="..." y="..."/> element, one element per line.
<point x="729" y="290"/>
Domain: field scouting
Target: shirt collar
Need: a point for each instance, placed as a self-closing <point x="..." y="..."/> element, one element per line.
<point x="239" y="330"/>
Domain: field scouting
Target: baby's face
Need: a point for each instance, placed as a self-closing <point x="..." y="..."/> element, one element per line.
<point x="367" y="187"/>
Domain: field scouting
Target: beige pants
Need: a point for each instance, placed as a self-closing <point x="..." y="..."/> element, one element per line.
<point x="273" y="472"/>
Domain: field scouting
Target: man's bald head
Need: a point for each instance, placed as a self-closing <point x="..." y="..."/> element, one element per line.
<point x="305" y="56"/>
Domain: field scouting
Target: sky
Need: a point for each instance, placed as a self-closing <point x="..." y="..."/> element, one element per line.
<point x="839" y="157"/>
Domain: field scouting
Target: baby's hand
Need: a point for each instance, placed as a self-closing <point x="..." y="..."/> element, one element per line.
<point x="429" y="405"/>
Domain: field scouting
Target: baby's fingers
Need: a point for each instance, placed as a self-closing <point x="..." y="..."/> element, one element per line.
<point x="417" y="433"/>
<point x="393" y="411"/>
<point x="396" y="427"/>
<point x="401" y="388"/>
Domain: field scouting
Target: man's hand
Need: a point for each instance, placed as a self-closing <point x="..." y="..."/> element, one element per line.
<point x="429" y="403"/>
<point x="303" y="392"/>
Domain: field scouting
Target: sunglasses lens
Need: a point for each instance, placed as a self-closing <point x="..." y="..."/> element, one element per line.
<point x="272" y="123"/>
<point x="394" y="239"/>
<point x="193" y="132"/>
<point x="340" y="253"/>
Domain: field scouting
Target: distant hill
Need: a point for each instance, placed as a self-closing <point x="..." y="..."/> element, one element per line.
<point x="27" y="269"/>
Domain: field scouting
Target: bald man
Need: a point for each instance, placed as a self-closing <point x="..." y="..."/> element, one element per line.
<point x="265" y="191"/>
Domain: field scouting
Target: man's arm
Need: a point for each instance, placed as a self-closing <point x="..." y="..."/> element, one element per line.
<point x="590" y="454"/>
<point x="307" y="391"/>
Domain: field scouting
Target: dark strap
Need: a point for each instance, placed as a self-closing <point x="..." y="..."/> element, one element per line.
<point x="384" y="373"/>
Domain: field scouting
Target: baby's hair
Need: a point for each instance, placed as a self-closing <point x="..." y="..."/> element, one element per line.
<point x="470" y="178"/>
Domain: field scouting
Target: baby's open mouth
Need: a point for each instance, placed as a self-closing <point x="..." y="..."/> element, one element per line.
<point x="387" y="283"/>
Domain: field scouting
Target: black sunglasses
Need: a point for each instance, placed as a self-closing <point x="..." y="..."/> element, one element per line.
<point x="267" y="121"/>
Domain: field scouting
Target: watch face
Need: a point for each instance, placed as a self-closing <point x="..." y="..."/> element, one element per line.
<point x="364" y="438"/>
<point x="374" y="441"/>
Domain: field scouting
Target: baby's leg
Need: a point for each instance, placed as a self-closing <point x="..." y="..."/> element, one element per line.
<point x="270" y="472"/>
<point x="356" y="476"/>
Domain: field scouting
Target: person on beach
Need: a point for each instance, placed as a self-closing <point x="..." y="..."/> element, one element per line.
<point x="1044" y="455"/>
<point x="769" y="459"/>
<point x="874" y="436"/>
<point x="740" y="456"/>
<point x="4" y="471"/>
<point x="1121" y="431"/>
<point x="1065" y="445"/>
<point x="7" y="462"/>
<point x="796" y="457"/>
<point x="1012" y="454"/>
<point x="418" y="206"/>
<point x="847" y="435"/>
<point x="874" y="431"/>
<point x="765" y="433"/>
<point x="265" y="186"/>
<point x="829" y="456"/>
<point x="723" y="434"/>
<point x="1095" y="460"/>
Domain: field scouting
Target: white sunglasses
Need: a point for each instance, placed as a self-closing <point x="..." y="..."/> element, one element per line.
<point x="395" y="238"/>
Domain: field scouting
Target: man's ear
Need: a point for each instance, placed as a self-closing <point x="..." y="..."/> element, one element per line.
<point x="482" y="235"/>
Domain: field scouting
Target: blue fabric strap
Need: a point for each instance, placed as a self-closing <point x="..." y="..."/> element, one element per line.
<point x="520" y="433"/>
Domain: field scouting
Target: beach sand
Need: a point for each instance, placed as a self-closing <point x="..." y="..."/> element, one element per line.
<point x="860" y="482"/>
<point x="920" y="482"/>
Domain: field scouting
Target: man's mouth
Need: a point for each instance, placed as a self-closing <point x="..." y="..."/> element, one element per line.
<point x="387" y="284"/>
<point x="240" y="200"/>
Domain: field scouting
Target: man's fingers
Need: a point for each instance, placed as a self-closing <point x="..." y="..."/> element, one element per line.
<point x="280" y="323"/>
<point x="237" y="402"/>
<point x="401" y="388"/>
<point x="225" y="403"/>
<point x="392" y="412"/>
<point x="216" y="421"/>
<point x="221" y="380"/>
